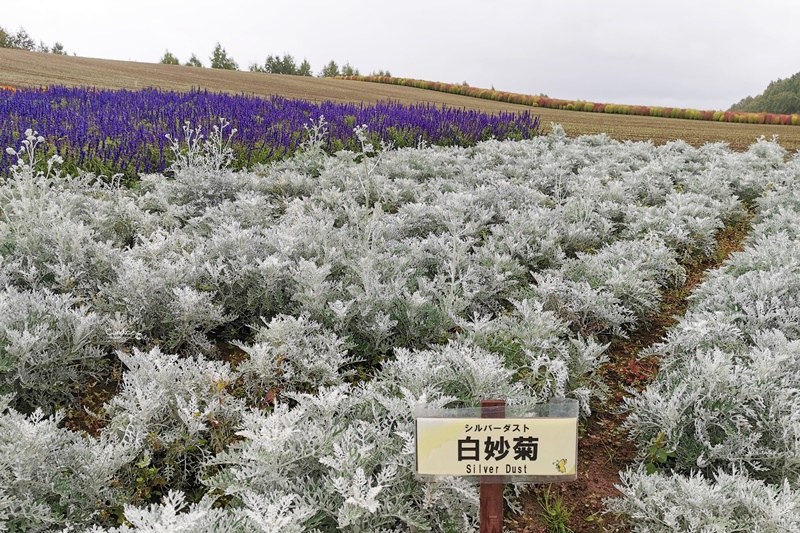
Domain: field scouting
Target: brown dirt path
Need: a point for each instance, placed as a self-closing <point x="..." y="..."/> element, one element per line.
<point x="603" y="447"/>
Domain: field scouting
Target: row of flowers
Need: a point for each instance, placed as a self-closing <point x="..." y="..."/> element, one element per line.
<point x="581" y="105"/>
<point x="123" y="131"/>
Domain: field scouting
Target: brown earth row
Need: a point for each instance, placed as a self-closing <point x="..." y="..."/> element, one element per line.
<point x="603" y="447"/>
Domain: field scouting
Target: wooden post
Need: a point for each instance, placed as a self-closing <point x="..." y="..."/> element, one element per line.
<point x="491" y="510"/>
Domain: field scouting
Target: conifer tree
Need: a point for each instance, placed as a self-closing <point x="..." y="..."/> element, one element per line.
<point x="169" y="59"/>
<point x="221" y="60"/>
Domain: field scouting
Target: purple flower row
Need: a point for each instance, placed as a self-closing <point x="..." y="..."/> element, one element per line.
<point x="125" y="131"/>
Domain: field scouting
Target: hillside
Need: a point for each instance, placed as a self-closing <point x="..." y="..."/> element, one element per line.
<point x="780" y="96"/>
<point x="33" y="69"/>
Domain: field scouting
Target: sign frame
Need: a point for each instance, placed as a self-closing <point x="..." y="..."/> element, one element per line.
<point x="434" y="430"/>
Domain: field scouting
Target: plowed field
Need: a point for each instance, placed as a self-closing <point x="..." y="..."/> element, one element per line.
<point x="32" y="69"/>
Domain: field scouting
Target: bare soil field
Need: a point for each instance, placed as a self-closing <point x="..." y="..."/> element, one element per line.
<point x="21" y="68"/>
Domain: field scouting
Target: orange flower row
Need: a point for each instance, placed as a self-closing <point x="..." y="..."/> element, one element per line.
<point x="13" y="89"/>
<point x="580" y="105"/>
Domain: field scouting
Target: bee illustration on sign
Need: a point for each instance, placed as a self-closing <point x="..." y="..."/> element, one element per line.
<point x="561" y="465"/>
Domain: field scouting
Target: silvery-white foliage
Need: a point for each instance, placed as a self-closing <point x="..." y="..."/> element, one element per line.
<point x="760" y="285"/>
<point x="275" y="513"/>
<point x="115" y="214"/>
<point x="532" y="236"/>
<point x="781" y="206"/>
<point x="589" y="310"/>
<point x="759" y="299"/>
<point x="235" y="262"/>
<point x="698" y="330"/>
<point x="342" y="466"/>
<point x="552" y="360"/>
<point x="584" y="225"/>
<point x="786" y="221"/>
<point x="48" y="343"/>
<point x="311" y="156"/>
<point x="380" y="258"/>
<point x="166" y="401"/>
<point x="196" y="152"/>
<point x="171" y="396"/>
<point x="348" y="453"/>
<point x="313" y="290"/>
<point x="719" y="409"/>
<point x="631" y="271"/>
<point x="728" y="391"/>
<point x="175" y="515"/>
<point x="720" y="172"/>
<point x="293" y="354"/>
<point x="51" y="477"/>
<point x="686" y="221"/>
<point x="46" y="231"/>
<point x="765" y="251"/>
<point x="766" y="154"/>
<point x="460" y="371"/>
<point x="158" y="290"/>
<point x="665" y="503"/>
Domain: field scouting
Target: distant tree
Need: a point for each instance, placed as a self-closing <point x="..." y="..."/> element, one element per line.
<point x="169" y="59"/>
<point x="330" y="70"/>
<point x="742" y="104"/>
<point x="288" y="65"/>
<point x="780" y="96"/>
<point x="272" y="63"/>
<point x="220" y="59"/>
<point x="304" y="69"/>
<point x="283" y="65"/>
<point x="382" y="73"/>
<point x="22" y="41"/>
<point x="277" y="65"/>
<point x="348" y="70"/>
<point x="194" y="62"/>
<point x="785" y="102"/>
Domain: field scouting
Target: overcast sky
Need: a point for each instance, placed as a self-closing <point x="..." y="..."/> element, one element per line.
<point x="702" y="54"/>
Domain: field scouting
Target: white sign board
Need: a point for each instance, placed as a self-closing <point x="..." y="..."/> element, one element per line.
<point x="539" y="449"/>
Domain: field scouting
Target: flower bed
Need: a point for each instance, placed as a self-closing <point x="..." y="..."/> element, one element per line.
<point x="355" y="287"/>
<point x="581" y="105"/>
<point x="718" y="429"/>
<point x="123" y="131"/>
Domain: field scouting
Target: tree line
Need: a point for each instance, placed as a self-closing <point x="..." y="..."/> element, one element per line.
<point x="22" y="41"/>
<point x="274" y="64"/>
<point x="781" y="96"/>
<point x="220" y="58"/>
